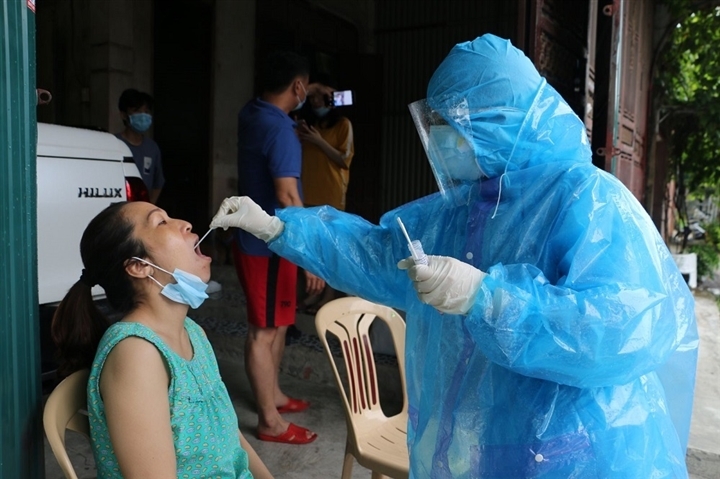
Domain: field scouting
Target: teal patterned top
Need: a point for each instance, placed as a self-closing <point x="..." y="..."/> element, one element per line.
<point x="203" y="421"/>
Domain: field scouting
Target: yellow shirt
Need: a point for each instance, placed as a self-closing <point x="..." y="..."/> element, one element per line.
<point x="324" y="182"/>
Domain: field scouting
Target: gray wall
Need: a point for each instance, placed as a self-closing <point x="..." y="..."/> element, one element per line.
<point x="88" y="52"/>
<point x="233" y="75"/>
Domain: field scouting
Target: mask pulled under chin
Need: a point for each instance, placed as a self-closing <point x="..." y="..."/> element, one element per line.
<point x="188" y="288"/>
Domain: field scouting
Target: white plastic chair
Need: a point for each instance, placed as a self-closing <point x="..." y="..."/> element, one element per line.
<point x="65" y="409"/>
<point x="379" y="443"/>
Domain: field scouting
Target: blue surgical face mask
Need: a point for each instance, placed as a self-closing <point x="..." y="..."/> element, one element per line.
<point x="140" y="122"/>
<point x="451" y="155"/>
<point x="322" y="111"/>
<point x="189" y="289"/>
<point x="301" y="102"/>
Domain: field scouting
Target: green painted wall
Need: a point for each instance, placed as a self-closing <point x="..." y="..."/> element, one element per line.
<point x="21" y="437"/>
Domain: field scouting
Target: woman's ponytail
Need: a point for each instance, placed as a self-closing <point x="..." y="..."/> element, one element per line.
<point x="76" y="329"/>
<point x="78" y="325"/>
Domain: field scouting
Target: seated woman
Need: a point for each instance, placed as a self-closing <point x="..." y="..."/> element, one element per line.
<point x="157" y="405"/>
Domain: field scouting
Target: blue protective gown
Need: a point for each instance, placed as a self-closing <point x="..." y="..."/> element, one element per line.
<point x="578" y="356"/>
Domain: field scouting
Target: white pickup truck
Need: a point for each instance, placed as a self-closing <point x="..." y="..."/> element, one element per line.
<point x="79" y="173"/>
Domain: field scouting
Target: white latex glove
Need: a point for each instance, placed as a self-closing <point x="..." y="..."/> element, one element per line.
<point x="447" y="284"/>
<point x="242" y="212"/>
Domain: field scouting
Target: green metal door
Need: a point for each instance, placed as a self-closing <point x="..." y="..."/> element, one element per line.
<point x="21" y="437"/>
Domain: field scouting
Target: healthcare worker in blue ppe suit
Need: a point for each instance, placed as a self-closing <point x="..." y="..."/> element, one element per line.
<point x="550" y="335"/>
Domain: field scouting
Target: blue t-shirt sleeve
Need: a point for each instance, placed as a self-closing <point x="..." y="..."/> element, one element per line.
<point x="284" y="154"/>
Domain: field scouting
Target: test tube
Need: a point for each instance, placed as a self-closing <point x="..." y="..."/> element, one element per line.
<point x="415" y="246"/>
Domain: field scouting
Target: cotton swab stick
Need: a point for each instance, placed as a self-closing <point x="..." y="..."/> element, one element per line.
<point x="415" y="247"/>
<point x="402" y="227"/>
<point x="201" y="239"/>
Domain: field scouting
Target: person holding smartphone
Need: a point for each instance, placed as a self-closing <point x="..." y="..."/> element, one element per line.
<point x="327" y="151"/>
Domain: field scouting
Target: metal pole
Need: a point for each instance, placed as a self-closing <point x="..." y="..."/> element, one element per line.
<point x="617" y="11"/>
<point x="21" y="437"/>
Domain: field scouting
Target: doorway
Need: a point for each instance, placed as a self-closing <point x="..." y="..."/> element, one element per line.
<point x="182" y="87"/>
<point x="331" y="45"/>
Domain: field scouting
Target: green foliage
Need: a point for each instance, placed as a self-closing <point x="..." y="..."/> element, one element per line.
<point x="708" y="259"/>
<point x="708" y="252"/>
<point x="712" y="234"/>
<point x="688" y="81"/>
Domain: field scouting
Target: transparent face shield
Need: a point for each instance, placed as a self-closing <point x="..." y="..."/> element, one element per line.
<point x="448" y="147"/>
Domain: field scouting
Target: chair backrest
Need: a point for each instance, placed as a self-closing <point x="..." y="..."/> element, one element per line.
<point x="349" y="319"/>
<point x="66" y="409"/>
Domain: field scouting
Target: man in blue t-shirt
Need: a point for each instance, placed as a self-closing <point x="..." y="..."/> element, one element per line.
<point x="136" y="111"/>
<point x="269" y="165"/>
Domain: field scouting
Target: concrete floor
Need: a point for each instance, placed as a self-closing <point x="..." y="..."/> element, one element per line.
<point x="307" y="374"/>
<point x="703" y="456"/>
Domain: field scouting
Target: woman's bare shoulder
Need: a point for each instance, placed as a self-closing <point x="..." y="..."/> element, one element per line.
<point x="134" y="361"/>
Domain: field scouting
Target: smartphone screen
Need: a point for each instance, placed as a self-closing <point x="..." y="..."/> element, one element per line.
<point x="343" y="98"/>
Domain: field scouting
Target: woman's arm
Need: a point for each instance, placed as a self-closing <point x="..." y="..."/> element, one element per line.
<point x="310" y="134"/>
<point x="342" y="151"/>
<point x="134" y="387"/>
<point x="257" y="466"/>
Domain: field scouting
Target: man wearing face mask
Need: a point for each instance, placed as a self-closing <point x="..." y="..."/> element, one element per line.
<point x="136" y="112"/>
<point x="549" y="331"/>
<point x="269" y="166"/>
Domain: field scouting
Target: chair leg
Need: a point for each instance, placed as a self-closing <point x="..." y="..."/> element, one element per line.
<point x="377" y="475"/>
<point x="347" y="463"/>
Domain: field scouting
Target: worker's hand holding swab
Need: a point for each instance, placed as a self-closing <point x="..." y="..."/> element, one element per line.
<point x="447" y="284"/>
<point x="242" y="212"/>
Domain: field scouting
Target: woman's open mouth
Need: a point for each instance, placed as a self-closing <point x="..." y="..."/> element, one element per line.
<point x="200" y="253"/>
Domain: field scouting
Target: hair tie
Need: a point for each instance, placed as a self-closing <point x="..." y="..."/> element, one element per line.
<point x="86" y="279"/>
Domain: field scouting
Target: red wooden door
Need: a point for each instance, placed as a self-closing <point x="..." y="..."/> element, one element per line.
<point x="626" y="133"/>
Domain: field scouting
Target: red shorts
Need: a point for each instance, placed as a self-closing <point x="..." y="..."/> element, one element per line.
<point x="269" y="284"/>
